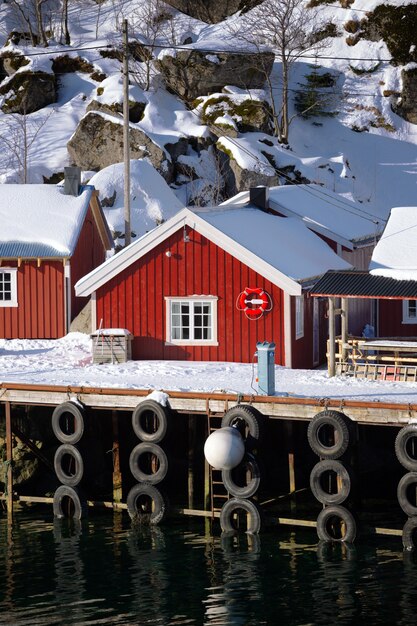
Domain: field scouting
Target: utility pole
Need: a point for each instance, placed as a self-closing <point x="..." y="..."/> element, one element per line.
<point x="126" y="147"/>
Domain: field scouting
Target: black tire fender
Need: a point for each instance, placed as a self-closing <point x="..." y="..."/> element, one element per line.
<point x="140" y="474"/>
<point x="249" y="422"/>
<point x="342" y="427"/>
<point x="336" y="512"/>
<point x="402" y="493"/>
<point x="158" y="507"/>
<point x="73" y="479"/>
<point x="79" y="506"/>
<point x="251" y="487"/>
<point x="76" y="411"/>
<point x="316" y="482"/>
<point x="402" y="441"/>
<point x="154" y="410"/>
<point x="410" y="534"/>
<point x="234" y="504"/>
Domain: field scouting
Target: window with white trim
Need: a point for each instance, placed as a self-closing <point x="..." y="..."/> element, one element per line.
<point x="299" y="317"/>
<point x="192" y="321"/>
<point x="8" y="287"/>
<point x="409" y="311"/>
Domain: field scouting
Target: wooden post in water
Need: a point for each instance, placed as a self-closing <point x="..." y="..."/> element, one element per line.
<point x="117" y="476"/>
<point x="9" y="461"/>
<point x="191" y="455"/>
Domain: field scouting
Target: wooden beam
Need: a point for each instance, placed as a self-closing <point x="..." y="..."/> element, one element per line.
<point x="117" y="475"/>
<point x="9" y="461"/>
<point x="332" y="338"/>
<point x="33" y="449"/>
<point x="344" y="326"/>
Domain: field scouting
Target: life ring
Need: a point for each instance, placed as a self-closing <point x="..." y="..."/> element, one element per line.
<point x="254" y="301"/>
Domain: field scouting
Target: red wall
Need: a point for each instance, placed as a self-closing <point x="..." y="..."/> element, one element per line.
<point x="135" y="300"/>
<point x="89" y="253"/>
<point x="390" y="320"/>
<point x="40" y="296"/>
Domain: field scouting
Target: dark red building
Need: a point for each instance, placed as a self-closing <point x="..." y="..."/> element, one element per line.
<point x="207" y="285"/>
<point x="48" y="240"/>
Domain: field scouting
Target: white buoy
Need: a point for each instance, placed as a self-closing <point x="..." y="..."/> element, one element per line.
<point x="224" y="448"/>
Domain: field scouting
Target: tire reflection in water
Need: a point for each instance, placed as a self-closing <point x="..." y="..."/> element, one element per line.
<point x="235" y="599"/>
<point x="148" y="575"/>
<point x="69" y="570"/>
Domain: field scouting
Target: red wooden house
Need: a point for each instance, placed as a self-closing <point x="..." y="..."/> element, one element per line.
<point x="179" y="289"/>
<point x="48" y="240"/>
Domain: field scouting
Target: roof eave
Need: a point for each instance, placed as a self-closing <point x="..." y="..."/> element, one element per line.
<point x="98" y="277"/>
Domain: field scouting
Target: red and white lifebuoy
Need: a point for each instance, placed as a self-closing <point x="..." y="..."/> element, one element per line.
<point x="254" y="301"/>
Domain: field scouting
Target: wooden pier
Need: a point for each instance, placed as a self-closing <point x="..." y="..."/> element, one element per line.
<point x="194" y="416"/>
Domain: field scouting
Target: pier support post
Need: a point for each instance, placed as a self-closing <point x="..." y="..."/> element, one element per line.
<point x="192" y="442"/>
<point x="9" y="461"/>
<point x="332" y="339"/>
<point x="344" y="326"/>
<point x="117" y="476"/>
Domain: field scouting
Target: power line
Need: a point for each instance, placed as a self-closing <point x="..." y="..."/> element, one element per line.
<point x="198" y="50"/>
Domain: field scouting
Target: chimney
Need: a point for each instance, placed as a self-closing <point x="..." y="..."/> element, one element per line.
<point x="259" y="196"/>
<point x="72" y="181"/>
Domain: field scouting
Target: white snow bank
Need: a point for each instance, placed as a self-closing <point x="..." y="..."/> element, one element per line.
<point x="152" y="200"/>
<point x="68" y="362"/>
<point x="395" y="255"/>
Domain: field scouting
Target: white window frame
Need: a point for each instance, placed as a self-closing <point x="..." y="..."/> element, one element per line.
<point x="407" y="319"/>
<point x="192" y="342"/>
<point x="299" y="317"/>
<point x="13" y="280"/>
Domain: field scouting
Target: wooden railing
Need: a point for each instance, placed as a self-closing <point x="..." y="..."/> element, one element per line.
<point x="391" y="358"/>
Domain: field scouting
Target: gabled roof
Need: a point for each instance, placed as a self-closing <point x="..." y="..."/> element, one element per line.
<point x="354" y="284"/>
<point x="40" y="221"/>
<point x="395" y="255"/>
<point x="323" y="211"/>
<point x="282" y="250"/>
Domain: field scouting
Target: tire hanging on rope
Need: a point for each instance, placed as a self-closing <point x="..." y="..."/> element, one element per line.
<point x="320" y="476"/>
<point x="406" y="447"/>
<point x="150" y="421"/>
<point x="68" y="502"/>
<point x="251" y="487"/>
<point x="239" y="504"/>
<point x="61" y="426"/>
<point x="336" y="523"/>
<point x="68" y="464"/>
<point x="329" y="434"/>
<point x="146" y="504"/>
<point x="248" y="421"/>
<point x="136" y="463"/>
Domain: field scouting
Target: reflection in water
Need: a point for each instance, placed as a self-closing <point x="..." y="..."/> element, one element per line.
<point x="69" y="569"/>
<point x="104" y="571"/>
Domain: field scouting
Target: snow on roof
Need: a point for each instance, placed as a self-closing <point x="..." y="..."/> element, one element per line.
<point x="281" y="249"/>
<point x="326" y="209"/>
<point x="151" y="199"/>
<point x="395" y="255"/>
<point x="40" y="220"/>
<point x="321" y="210"/>
<point x="284" y="243"/>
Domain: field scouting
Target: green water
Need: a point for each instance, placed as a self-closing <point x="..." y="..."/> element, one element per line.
<point x="105" y="572"/>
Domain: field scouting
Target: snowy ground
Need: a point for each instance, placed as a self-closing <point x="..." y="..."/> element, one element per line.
<point x="67" y="361"/>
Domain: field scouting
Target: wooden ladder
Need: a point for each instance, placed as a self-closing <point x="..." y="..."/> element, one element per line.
<point x="218" y="492"/>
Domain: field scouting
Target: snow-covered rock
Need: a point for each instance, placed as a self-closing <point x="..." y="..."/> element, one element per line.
<point x="212" y="11"/>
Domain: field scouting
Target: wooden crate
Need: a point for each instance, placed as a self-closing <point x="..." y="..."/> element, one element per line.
<point x="110" y="346"/>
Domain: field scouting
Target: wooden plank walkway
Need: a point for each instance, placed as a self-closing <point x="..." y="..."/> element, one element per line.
<point x="276" y="407"/>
